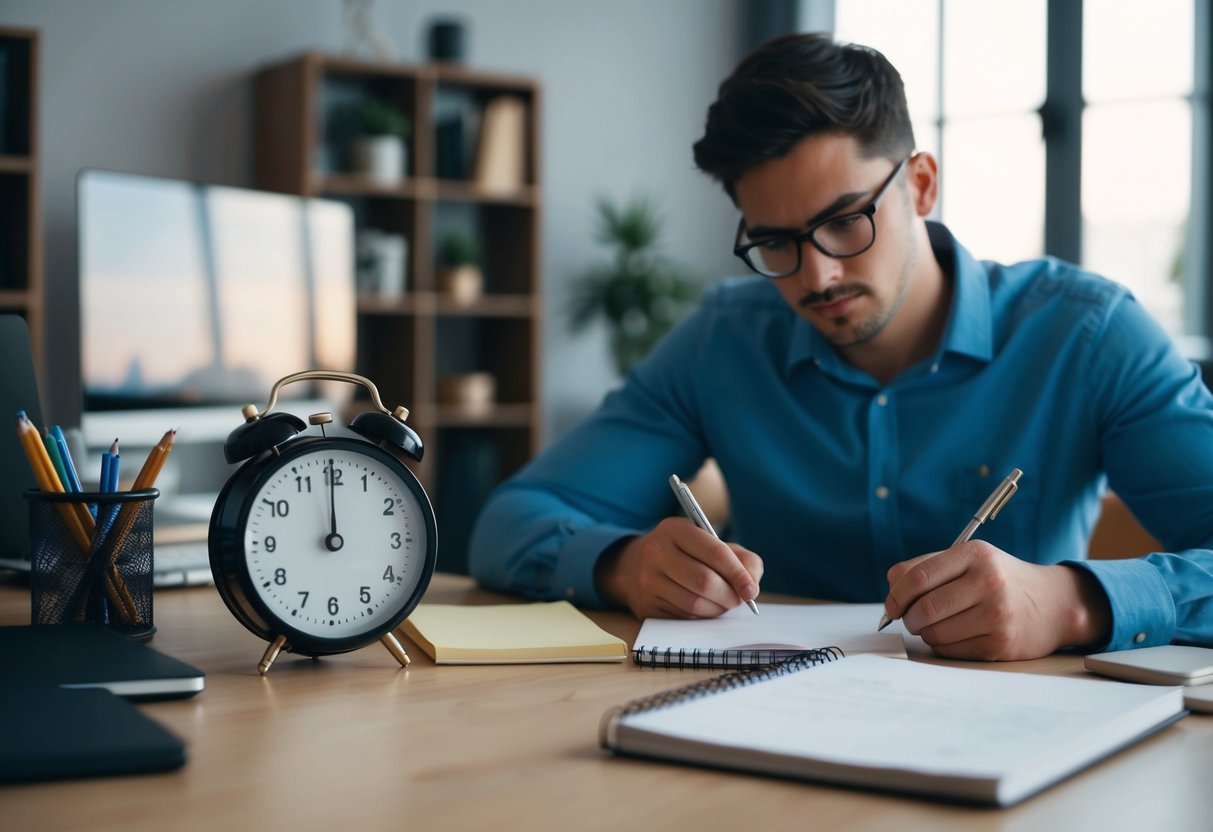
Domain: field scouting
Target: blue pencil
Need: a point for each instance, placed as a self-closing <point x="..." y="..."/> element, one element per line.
<point x="73" y="479"/>
<point x="115" y="462"/>
<point x="109" y="481"/>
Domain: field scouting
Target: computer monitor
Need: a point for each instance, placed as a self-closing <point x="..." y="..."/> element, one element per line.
<point x="196" y="298"/>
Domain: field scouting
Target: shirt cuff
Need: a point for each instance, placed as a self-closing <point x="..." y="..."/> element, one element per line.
<point x="574" y="573"/>
<point x="1143" y="611"/>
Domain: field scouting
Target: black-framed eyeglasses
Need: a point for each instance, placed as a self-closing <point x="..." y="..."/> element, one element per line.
<point x="843" y="235"/>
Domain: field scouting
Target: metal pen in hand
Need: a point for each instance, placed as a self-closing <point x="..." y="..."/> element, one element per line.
<point x="988" y="511"/>
<point x="691" y="506"/>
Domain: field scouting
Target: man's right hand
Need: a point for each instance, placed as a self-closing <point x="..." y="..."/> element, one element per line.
<point x="678" y="571"/>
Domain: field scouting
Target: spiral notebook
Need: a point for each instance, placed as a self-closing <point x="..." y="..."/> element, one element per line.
<point x="980" y="736"/>
<point x="740" y="639"/>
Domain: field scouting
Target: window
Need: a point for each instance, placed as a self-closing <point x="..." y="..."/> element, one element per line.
<point x="1137" y="148"/>
<point x="977" y="75"/>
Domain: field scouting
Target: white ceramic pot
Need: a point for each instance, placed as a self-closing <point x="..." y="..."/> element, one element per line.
<point x="380" y="158"/>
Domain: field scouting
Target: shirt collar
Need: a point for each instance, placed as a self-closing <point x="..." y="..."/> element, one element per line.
<point x="969" y="330"/>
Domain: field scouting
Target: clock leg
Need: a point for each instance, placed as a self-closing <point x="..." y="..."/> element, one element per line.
<point x="271" y="653"/>
<point x="396" y="649"/>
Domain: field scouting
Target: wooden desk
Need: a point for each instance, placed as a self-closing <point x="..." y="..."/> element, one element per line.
<point x="353" y="742"/>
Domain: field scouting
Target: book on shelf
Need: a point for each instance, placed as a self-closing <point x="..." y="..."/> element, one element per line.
<point x="500" y="165"/>
<point x="976" y="735"/>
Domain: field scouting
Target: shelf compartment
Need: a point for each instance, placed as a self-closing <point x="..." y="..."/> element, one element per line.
<point x="387" y="356"/>
<point x="471" y="463"/>
<point x="15" y="201"/>
<point x="502" y="347"/>
<point x="17" y="68"/>
<point x="507" y="236"/>
<point x="342" y="90"/>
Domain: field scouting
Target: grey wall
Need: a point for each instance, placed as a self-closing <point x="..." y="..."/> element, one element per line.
<point x="162" y="87"/>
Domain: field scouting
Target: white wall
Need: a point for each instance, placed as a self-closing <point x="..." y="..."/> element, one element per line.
<point x="163" y="87"/>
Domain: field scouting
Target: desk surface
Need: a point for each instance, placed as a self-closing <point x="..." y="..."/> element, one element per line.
<point x="354" y="742"/>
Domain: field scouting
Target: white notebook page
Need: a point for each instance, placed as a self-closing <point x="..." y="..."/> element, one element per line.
<point x="1025" y="730"/>
<point x="851" y="627"/>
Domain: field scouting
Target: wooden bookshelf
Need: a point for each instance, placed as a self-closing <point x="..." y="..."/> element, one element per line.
<point x="20" y="206"/>
<point x="407" y="342"/>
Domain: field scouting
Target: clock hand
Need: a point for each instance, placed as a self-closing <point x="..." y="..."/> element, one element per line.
<point x="333" y="541"/>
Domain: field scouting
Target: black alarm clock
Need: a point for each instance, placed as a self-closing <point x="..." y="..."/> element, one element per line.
<point x="322" y="544"/>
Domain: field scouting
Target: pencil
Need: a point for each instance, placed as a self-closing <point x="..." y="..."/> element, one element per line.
<point x="115" y="460"/>
<point x="52" y="450"/>
<point x="129" y="512"/>
<point x="48" y="480"/>
<point x="155" y="461"/>
<point x="60" y="467"/>
<point x="69" y="466"/>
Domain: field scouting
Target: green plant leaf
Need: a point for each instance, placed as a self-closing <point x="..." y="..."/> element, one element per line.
<point x="640" y="293"/>
<point x="379" y="118"/>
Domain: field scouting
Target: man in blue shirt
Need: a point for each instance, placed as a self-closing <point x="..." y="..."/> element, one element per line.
<point x="863" y="397"/>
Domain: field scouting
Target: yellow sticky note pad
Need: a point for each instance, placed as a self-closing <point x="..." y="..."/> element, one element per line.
<point x="510" y="634"/>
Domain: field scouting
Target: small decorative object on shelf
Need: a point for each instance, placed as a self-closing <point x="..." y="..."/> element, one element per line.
<point x="446" y="40"/>
<point x="362" y="30"/>
<point x="380" y="148"/>
<point x="501" y="155"/>
<point x="382" y="262"/>
<point x="640" y="293"/>
<point x="460" y="276"/>
<point x="472" y="393"/>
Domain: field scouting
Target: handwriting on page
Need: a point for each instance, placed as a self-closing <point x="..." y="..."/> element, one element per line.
<point x="884" y="711"/>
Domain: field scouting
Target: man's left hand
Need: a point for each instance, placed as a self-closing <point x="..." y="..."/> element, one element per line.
<point x="975" y="601"/>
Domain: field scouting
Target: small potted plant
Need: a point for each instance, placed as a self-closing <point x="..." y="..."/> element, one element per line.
<point x="380" y="144"/>
<point x="639" y="292"/>
<point x="459" y="274"/>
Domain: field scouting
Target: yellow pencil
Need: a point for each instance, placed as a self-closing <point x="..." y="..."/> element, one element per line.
<point x="48" y="480"/>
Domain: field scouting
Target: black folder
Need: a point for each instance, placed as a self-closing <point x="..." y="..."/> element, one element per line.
<point x="52" y="733"/>
<point x="62" y="706"/>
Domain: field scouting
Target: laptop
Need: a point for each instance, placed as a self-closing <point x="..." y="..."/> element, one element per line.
<point x="180" y="559"/>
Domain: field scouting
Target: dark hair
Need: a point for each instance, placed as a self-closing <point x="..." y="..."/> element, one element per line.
<point x="797" y="86"/>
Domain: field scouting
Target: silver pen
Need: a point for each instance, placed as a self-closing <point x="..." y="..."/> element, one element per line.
<point x="988" y="511"/>
<point x="691" y="506"/>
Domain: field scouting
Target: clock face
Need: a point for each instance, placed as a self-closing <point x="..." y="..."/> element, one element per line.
<point x="335" y="542"/>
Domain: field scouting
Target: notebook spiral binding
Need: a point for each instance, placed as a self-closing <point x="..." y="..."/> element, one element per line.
<point x="713" y="659"/>
<point x="735" y="679"/>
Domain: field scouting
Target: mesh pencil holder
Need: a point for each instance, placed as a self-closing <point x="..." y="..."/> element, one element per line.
<point x="92" y="559"/>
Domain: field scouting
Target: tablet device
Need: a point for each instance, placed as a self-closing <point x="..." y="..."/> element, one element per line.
<point x="90" y="656"/>
<point x="1170" y="664"/>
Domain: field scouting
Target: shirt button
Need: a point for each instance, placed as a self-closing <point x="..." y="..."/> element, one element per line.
<point x="569" y="592"/>
<point x="1139" y="638"/>
<point x="881" y="492"/>
<point x="882" y="400"/>
<point x="934" y="368"/>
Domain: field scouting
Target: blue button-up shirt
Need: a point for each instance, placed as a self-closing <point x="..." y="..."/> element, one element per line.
<point x="834" y="477"/>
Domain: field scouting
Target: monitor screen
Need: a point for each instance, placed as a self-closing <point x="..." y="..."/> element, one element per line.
<point x="195" y="295"/>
